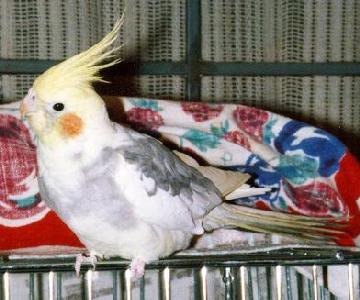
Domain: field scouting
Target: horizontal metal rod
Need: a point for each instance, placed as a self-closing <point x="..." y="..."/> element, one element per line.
<point x="286" y="257"/>
<point x="279" y="69"/>
<point x="29" y="66"/>
<point x="25" y="66"/>
<point x="150" y="68"/>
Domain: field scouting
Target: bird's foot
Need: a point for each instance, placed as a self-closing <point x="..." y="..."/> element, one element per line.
<point x="137" y="268"/>
<point x="80" y="259"/>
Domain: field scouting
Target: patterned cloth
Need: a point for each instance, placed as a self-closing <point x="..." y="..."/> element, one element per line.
<point x="310" y="171"/>
<point x="18" y="187"/>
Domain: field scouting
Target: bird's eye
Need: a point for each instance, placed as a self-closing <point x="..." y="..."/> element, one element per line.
<point x="59" y="106"/>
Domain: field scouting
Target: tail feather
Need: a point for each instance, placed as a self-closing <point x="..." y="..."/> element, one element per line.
<point x="245" y="191"/>
<point x="274" y="216"/>
<point x="302" y="227"/>
<point x="232" y="186"/>
<point x="227" y="182"/>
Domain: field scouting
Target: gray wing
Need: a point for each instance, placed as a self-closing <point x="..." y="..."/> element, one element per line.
<point x="170" y="174"/>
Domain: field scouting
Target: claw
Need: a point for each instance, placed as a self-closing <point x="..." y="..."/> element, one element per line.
<point x="80" y="259"/>
<point x="78" y="262"/>
<point x="137" y="268"/>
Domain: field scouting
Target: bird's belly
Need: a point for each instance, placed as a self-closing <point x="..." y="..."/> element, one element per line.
<point x="105" y="222"/>
<point x="147" y="241"/>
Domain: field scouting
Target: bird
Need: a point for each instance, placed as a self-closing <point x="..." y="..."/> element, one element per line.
<point x="123" y="192"/>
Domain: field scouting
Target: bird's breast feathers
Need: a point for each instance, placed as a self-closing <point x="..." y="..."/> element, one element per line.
<point x="160" y="208"/>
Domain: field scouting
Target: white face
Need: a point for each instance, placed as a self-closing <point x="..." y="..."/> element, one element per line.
<point x="63" y="114"/>
<point x="53" y="119"/>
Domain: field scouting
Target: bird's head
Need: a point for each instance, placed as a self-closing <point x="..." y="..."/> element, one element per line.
<point x="62" y="103"/>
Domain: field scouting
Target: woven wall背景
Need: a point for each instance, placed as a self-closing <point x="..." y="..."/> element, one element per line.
<point x="281" y="30"/>
<point x="153" y="30"/>
<point x="38" y="29"/>
<point x="160" y="87"/>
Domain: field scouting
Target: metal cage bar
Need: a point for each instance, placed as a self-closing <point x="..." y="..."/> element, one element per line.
<point x="236" y="272"/>
<point x="351" y="281"/>
<point x="6" y="286"/>
<point x="128" y="284"/>
<point x="284" y="256"/>
<point x="51" y="282"/>
<point x="203" y="275"/>
<point x="315" y="282"/>
<point x="89" y="278"/>
<point x="165" y="283"/>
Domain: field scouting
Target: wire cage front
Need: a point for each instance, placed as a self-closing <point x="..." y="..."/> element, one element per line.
<point x="252" y="273"/>
<point x="220" y="51"/>
<point x="267" y="273"/>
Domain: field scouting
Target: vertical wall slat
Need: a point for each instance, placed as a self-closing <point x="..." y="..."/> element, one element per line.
<point x="193" y="48"/>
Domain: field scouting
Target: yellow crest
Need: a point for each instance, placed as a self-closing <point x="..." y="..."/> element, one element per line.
<point x="82" y="69"/>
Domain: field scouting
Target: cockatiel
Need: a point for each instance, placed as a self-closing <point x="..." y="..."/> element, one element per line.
<point x="123" y="193"/>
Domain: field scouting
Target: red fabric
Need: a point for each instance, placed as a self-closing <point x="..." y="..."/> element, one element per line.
<point x="17" y="157"/>
<point x="48" y="231"/>
<point x="18" y="203"/>
<point x="348" y="182"/>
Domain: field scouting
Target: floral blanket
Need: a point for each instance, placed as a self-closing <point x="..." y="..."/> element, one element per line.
<point x="310" y="171"/>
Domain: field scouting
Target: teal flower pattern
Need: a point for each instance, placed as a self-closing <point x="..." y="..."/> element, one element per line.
<point x="146" y="104"/>
<point x="200" y="139"/>
<point x="268" y="135"/>
<point x="297" y="169"/>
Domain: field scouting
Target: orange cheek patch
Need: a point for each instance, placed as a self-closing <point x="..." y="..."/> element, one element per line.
<point x="70" y="125"/>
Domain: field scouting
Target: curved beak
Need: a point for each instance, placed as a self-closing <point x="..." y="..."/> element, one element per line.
<point x="27" y="105"/>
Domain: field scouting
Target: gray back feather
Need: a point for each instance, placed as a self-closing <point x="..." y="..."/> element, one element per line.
<point x="155" y="161"/>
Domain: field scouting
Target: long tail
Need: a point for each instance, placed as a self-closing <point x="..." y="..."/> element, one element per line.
<point x="232" y="186"/>
<point x="306" y="228"/>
